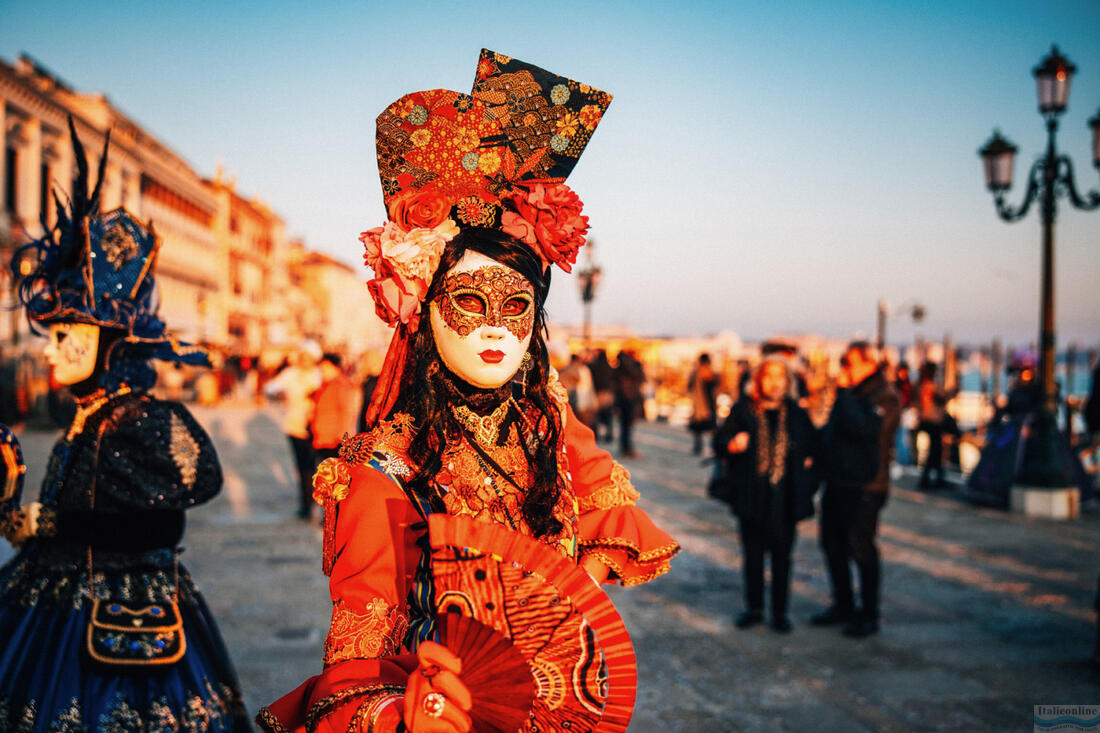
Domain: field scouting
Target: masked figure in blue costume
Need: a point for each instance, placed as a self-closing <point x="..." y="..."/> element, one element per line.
<point x="101" y="628"/>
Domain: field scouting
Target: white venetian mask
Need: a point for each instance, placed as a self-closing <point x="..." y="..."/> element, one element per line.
<point x="482" y="320"/>
<point x="72" y="351"/>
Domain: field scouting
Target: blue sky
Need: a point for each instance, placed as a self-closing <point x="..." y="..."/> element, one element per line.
<point x="765" y="167"/>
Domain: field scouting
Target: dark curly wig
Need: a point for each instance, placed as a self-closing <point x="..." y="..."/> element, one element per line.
<point x="428" y="387"/>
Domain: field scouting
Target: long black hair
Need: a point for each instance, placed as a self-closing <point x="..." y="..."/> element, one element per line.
<point x="428" y="388"/>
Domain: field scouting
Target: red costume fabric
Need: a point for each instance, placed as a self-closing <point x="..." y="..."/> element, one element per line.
<point x="372" y="553"/>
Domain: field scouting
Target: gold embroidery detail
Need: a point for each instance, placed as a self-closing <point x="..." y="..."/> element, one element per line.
<point x="268" y="722"/>
<point x="119" y="246"/>
<point x="391" y="436"/>
<point x="322" y="707"/>
<point x="88" y="406"/>
<point x="484" y="428"/>
<point x="376" y="632"/>
<point x="557" y="392"/>
<point x="616" y="492"/>
<point x="185" y="451"/>
<point x="332" y="479"/>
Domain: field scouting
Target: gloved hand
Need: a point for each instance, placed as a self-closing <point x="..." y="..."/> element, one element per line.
<point x="436" y="701"/>
<point x="22" y="524"/>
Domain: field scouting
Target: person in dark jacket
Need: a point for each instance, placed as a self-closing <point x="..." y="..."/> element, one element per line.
<point x="603" y="381"/>
<point x="767" y="443"/>
<point x="858" y="445"/>
<point x="629" y="381"/>
<point x="931" y="406"/>
<point x="702" y="385"/>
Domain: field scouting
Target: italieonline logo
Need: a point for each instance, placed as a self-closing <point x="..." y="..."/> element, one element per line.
<point x="1050" y="718"/>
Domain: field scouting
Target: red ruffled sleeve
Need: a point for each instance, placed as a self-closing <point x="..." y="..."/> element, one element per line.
<point x="373" y="560"/>
<point x="611" y="528"/>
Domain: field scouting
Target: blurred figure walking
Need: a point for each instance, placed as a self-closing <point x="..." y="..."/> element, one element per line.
<point x="335" y="409"/>
<point x="767" y="443"/>
<point x="629" y="380"/>
<point x="702" y="385"/>
<point x="603" y="381"/>
<point x="577" y="380"/>
<point x="295" y="384"/>
<point x="931" y="406"/>
<point x="858" y="444"/>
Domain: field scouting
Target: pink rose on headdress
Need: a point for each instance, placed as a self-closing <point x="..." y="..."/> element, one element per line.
<point x="393" y="303"/>
<point x="403" y="264"/>
<point x="549" y="219"/>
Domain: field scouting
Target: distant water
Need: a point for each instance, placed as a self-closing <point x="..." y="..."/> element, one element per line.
<point x="970" y="380"/>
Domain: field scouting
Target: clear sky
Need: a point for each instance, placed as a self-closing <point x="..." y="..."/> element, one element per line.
<point x="765" y="167"/>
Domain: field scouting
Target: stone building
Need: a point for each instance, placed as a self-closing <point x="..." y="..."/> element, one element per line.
<point x="227" y="275"/>
<point x="142" y="174"/>
<point x="254" y="254"/>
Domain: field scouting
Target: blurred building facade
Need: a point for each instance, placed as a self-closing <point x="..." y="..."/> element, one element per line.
<point x="332" y="305"/>
<point x="226" y="271"/>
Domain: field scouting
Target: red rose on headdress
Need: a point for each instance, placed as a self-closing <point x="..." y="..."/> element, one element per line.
<point x="419" y="209"/>
<point x="549" y="219"/>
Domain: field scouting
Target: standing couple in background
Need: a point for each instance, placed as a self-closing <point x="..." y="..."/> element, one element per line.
<point x="774" y="459"/>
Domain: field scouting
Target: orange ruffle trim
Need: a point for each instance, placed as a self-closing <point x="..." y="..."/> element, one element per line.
<point x="626" y="540"/>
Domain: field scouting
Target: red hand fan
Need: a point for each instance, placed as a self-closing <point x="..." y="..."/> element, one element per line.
<point x="493" y="670"/>
<point x="508" y="565"/>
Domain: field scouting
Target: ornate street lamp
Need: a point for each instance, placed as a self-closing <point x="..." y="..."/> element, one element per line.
<point x="914" y="309"/>
<point x="588" y="280"/>
<point x="1050" y="177"/>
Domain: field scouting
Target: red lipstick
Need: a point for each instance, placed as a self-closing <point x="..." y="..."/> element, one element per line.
<point x="491" y="356"/>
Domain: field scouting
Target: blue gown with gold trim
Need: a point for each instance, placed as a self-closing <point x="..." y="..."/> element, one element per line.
<point x="124" y="499"/>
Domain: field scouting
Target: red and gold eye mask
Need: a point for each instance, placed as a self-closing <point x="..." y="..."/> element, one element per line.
<point x="494" y="296"/>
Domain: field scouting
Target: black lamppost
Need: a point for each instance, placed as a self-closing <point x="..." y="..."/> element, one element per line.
<point x="913" y="308"/>
<point x="1050" y="178"/>
<point x="588" y="280"/>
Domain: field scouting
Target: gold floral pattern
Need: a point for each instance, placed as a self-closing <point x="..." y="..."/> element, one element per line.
<point x="390" y="436"/>
<point x="185" y="451"/>
<point x="119" y="246"/>
<point x="473" y="489"/>
<point x="618" y="491"/>
<point x="376" y="631"/>
<point x="331" y="481"/>
<point x="203" y="711"/>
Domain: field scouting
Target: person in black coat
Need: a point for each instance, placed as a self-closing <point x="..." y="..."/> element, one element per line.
<point x="857" y="448"/>
<point x="767" y="443"/>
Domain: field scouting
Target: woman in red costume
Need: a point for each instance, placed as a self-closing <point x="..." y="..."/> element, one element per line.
<point x="468" y="419"/>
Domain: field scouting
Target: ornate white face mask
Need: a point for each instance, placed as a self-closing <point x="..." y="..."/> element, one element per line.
<point x="483" y="320"/>
<point x="72" y="351"/>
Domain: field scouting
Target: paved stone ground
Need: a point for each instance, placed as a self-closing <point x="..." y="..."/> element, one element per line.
<point x="985" y="614"/>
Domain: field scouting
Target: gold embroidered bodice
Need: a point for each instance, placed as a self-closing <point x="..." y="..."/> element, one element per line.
<point x="470" y="486"/>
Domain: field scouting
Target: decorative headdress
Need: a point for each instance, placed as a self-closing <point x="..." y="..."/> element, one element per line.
<point x="497" y="157"/>
<point x="98" y="269"/>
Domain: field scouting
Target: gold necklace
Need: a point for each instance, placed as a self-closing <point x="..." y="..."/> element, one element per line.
<point x="484" y="428"/>
<point x="87" y="406"/>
